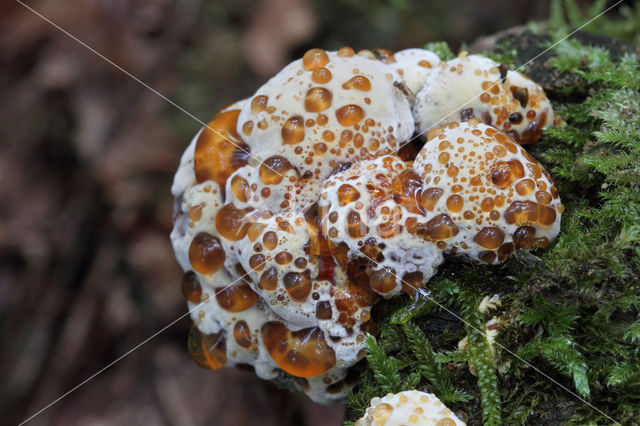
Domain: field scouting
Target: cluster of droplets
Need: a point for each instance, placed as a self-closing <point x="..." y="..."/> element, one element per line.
<point x="296" y="209"/>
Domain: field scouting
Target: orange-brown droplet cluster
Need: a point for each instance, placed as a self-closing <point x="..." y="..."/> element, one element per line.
<point x="492" y="197"/>
<point x="298" y="208"/>
<point x="482" y="88"/>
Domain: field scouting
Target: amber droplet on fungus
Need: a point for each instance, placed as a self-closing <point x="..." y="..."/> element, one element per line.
<point x="350" y="115"/>
<point x="317" y="99"/>
<point x="236" y="298"/>
<point x="383" y="280"/>
<point x="526" y="212"/>
<point x="314" y="59"/>
<point x="219" y="150"/>
<point x="298" y="285"/>
<point x="273" y="169"/>
<point x="206" y="254"/>
<point x="242" y="334"/>
<point x="490" y="237"/>
<point x="240" y="188"/>
<point x="302" y="353"/>
<point x="190" y="286"/>
<point x="293" y="130"/>
<point x="441" y="227"/>
<point x="321" y="76"/>
<point x="347" y="194"/>
<point x="269" y="279"/>
<point x="430" y="197"/>
<point x="233" y="223"/>
<point x="359" y="82"/>
<point x="207" y="350"/>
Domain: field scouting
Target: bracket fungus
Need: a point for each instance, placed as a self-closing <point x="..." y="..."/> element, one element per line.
<point x="408" y="408"/>
<point x="475" y="86"/>
<point x="296" y="211"/>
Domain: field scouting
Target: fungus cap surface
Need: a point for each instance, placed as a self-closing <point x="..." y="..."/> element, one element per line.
<point x="408" y="408"/>
<point x="497" y="196"/>
<point x="295" y="212"/>
<point x="475" y="86"/>
<point x="414" y="66"/>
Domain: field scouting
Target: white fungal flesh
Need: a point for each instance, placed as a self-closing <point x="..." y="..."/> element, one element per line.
<point x="414" y="66"/>
<point x="408" y="408"/>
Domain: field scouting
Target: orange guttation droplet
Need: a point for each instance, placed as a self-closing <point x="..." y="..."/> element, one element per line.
<point x="303" y="353"/>
<point x="455" y="203"/>
<point x="489" y="237"/>
<point x="430" y="197"/>
<point x="524" y="237"/>
<point x="487" y="256"/>
<point x="247" y="128"/>
<point x="257" y="261"/>
<point x="525" y="187"/>
<point x="440" y="227"/>
<point x="206" y="254"/>
<point x="487" y="204"/>
<point x="207" y="350"/>
<point x="242" y="334"/>
<point x="269" y="279"/>
<point x="273" y="169"/>
<point x="346" y="52"/>
<point x="240" y="188"/>
<point x="270" y="240"/>
<point x="347" y="194"/>
<point x="236" y="298"/>
<point x="298" y="284"/>
<point x="190" y="287"/>
<point x="293" y="130"/>
<point x="283" y="258"/>
<point x="233" y="223"/>
<point x="259" y="104"/>
<point x="317" y="99"/>
<point x="314" y="59"/>
<point x="317" y="244"/>
<point x="526" y="212"/>
<point x="543" y="197"/>
<point x="195" y="212"/>
<point x="383" y="280"/>
<point x="533" y="132"/>
<point x="505" y="250"/>
<point x="407" y="188"/>
<point x="503" y="173"/>
<point x="350" y="115"/>
<point x="321" y="76"/>
<point x="411" y="281"/>
<point x="323" y="310"/>
<point x="355" y="227"/>
<point x="219" y="150"/>
<point x="359" y="82"/>
<point x="254" y="231"/>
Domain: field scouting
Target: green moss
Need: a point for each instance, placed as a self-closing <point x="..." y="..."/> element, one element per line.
<point x="440" y="48"/>
<point x="573" y="309"/>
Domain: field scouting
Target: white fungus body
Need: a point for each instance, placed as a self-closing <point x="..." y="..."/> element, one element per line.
<point x="295" y="213"/>
<point x="408" y="408"/>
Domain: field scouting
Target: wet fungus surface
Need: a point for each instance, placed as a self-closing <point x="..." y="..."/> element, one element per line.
<point x="408" y="408"/>
<point x="299" y="208"/>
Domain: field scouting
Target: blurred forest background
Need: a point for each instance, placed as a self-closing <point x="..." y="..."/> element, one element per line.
<point x="87" y="156"/>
